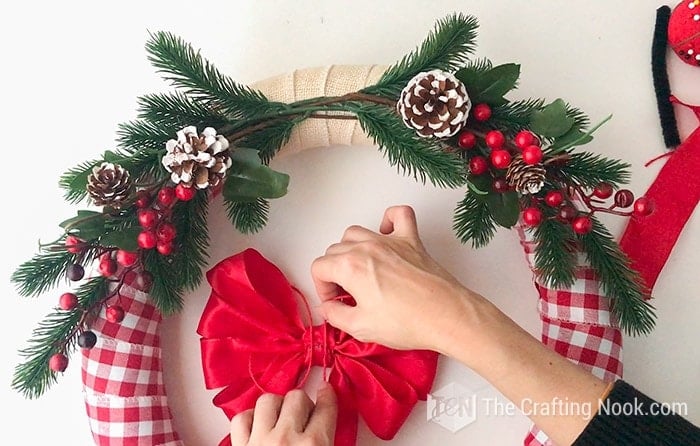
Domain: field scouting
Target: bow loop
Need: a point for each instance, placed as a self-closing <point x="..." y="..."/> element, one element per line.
<point x="253" y="340"/>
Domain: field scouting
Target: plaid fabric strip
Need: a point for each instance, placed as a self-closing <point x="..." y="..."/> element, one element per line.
<point x="577" y="324"/>
<point x="123" y="377"/>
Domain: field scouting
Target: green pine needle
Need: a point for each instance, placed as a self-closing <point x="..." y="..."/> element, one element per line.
<point x="409" y="153"/>
<point x="514" y="116"/>
<point x="185" y="68"/>
<point x="248" y="217"/>
<point x="42" y="272"/>
<point x="269" y="140"/>
<point x="621" y="284"/>
<point x="473" y="222"/>
<point x="135" y="136"/>
<point x="33" y="376"/>
<point x="590" y="169"/>
<point x="446" y="48"/>
<point x="555" y="256"/>
<point x="176" y="110"/>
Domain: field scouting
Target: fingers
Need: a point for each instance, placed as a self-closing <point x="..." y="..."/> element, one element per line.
<point x="267" y="410"/>
<point x="323" y="273"/>
<point x="401" y="221"/>
<point x="339" y="315"/>
<point x="296" y="408"/>
<point x="325" y="415"/>
<point x="357" y="233"/>
<point x="241" y="426"/>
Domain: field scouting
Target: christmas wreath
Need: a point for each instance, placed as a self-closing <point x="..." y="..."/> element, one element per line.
<point x="437" y="115"/>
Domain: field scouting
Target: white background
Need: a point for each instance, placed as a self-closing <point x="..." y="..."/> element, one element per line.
<point x="72" y="70"/>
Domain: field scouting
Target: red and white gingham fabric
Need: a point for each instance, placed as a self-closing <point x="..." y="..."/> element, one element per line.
<point x="123" y="378"/>
<point x="577" y="324"/>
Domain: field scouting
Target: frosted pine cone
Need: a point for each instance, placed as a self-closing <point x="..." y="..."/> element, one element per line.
<point x="526" y="178"/>
<point x="434" y="103"/>
<point x="200" y="160"/>
<point x="109" y="185"/>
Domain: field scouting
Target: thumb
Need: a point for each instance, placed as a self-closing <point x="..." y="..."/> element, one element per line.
<point x="338" y="314"/>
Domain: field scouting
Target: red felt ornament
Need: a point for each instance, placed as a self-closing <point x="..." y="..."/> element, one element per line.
<point x="684" y="31"/>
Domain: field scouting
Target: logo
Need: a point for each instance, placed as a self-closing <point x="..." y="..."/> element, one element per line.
<point x="452" y="407"/>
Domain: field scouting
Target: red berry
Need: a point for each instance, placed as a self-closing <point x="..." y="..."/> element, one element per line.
<point x="58" y="362"/>
<point x="108" y="267"/>
<point x="567" y="213"/>
<point x="554" y="198"/>
<point x="127" y="258"/>
<point x="524" y="139"/>
<point x="114" y="314"/>
<point x="500" y="185"/>
<point x="603" y="191"/>
<point x="166" y="196"/>
<point x="143" y="199"/>
<point x="624" y="198"/>
<point x="143" y="281"/>
<point x="495" y="139"/>
<point x="643" y="207"/>
<point x="147" y="240"/>
<point x="532" y="216"/>
<point x="478" y="165"/>
<point x="68" y="301"/>
<point x="73" y="244"/>
<point x="500" y="158"/>
<point x="582" y="225"/>
<point x="148" y="218"/>
<point x="166" y="232"/>
<point x="164" y="248"/>
<point x="87" y="339"/>
<point x="482" y="112"/>
<point x="185" y="193"/>
<point x="466" y="140"/>
<point x="532" y="154"/>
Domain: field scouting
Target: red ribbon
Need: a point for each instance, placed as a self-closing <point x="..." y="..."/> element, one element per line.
<point x="254" y="341"/>
<point x="648" y="241"/>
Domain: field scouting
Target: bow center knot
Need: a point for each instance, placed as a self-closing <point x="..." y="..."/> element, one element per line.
<point x="320" y="344"/>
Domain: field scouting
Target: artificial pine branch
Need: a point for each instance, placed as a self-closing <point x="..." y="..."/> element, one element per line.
<point x="185" y="68"/>
<point x="248" y="217"/>
<point x="590" y="169"/>
<point x="619" y="281"/>
<point x="177" y="110"/>
<point x="74" y="180"/>
<point x="135" y="136"/>
<point x="555" y="256"/>
<point x="42" y="272"/>
<point x="412" y="155"/>
<point x="33" y="377"/>
<point x="267" y="141"/>
<point x="473" y="222"/>
<point x="514" y="116"/>
<point x="445" y="48"/>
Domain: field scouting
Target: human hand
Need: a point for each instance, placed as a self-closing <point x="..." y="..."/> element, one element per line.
<point x="290" y="420"/>
<point x="404" y="298"/>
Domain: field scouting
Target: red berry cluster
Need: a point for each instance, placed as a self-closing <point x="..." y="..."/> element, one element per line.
<point x="501" y="151"/>
<point x="562" y="203"/>
<point x="154" y="217"/>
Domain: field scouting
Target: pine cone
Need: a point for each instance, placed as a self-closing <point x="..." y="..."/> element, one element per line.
<point x="525" y="178"/>
<point x="434" y="103"/>
<point x="109" y="185"/>
<point x="199" y="160"/>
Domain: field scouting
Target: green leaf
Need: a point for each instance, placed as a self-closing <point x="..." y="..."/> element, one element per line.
<point x="492" y="85"/>
<point x="124" y="239"/>
<point x="552" y="121"/>
<point x="111" y="157"/>
<point x="249" y="179"/>
<point x="569" y="139"/>
<point x="504" y="208"/>
<point x="87" y="224"/>
<point x="480" y="185"/>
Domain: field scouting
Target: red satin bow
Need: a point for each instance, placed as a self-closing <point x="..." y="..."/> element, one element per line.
<point x="254" y="341"/>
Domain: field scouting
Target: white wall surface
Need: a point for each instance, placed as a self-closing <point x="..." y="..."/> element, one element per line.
<point x="72" y="70"/>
